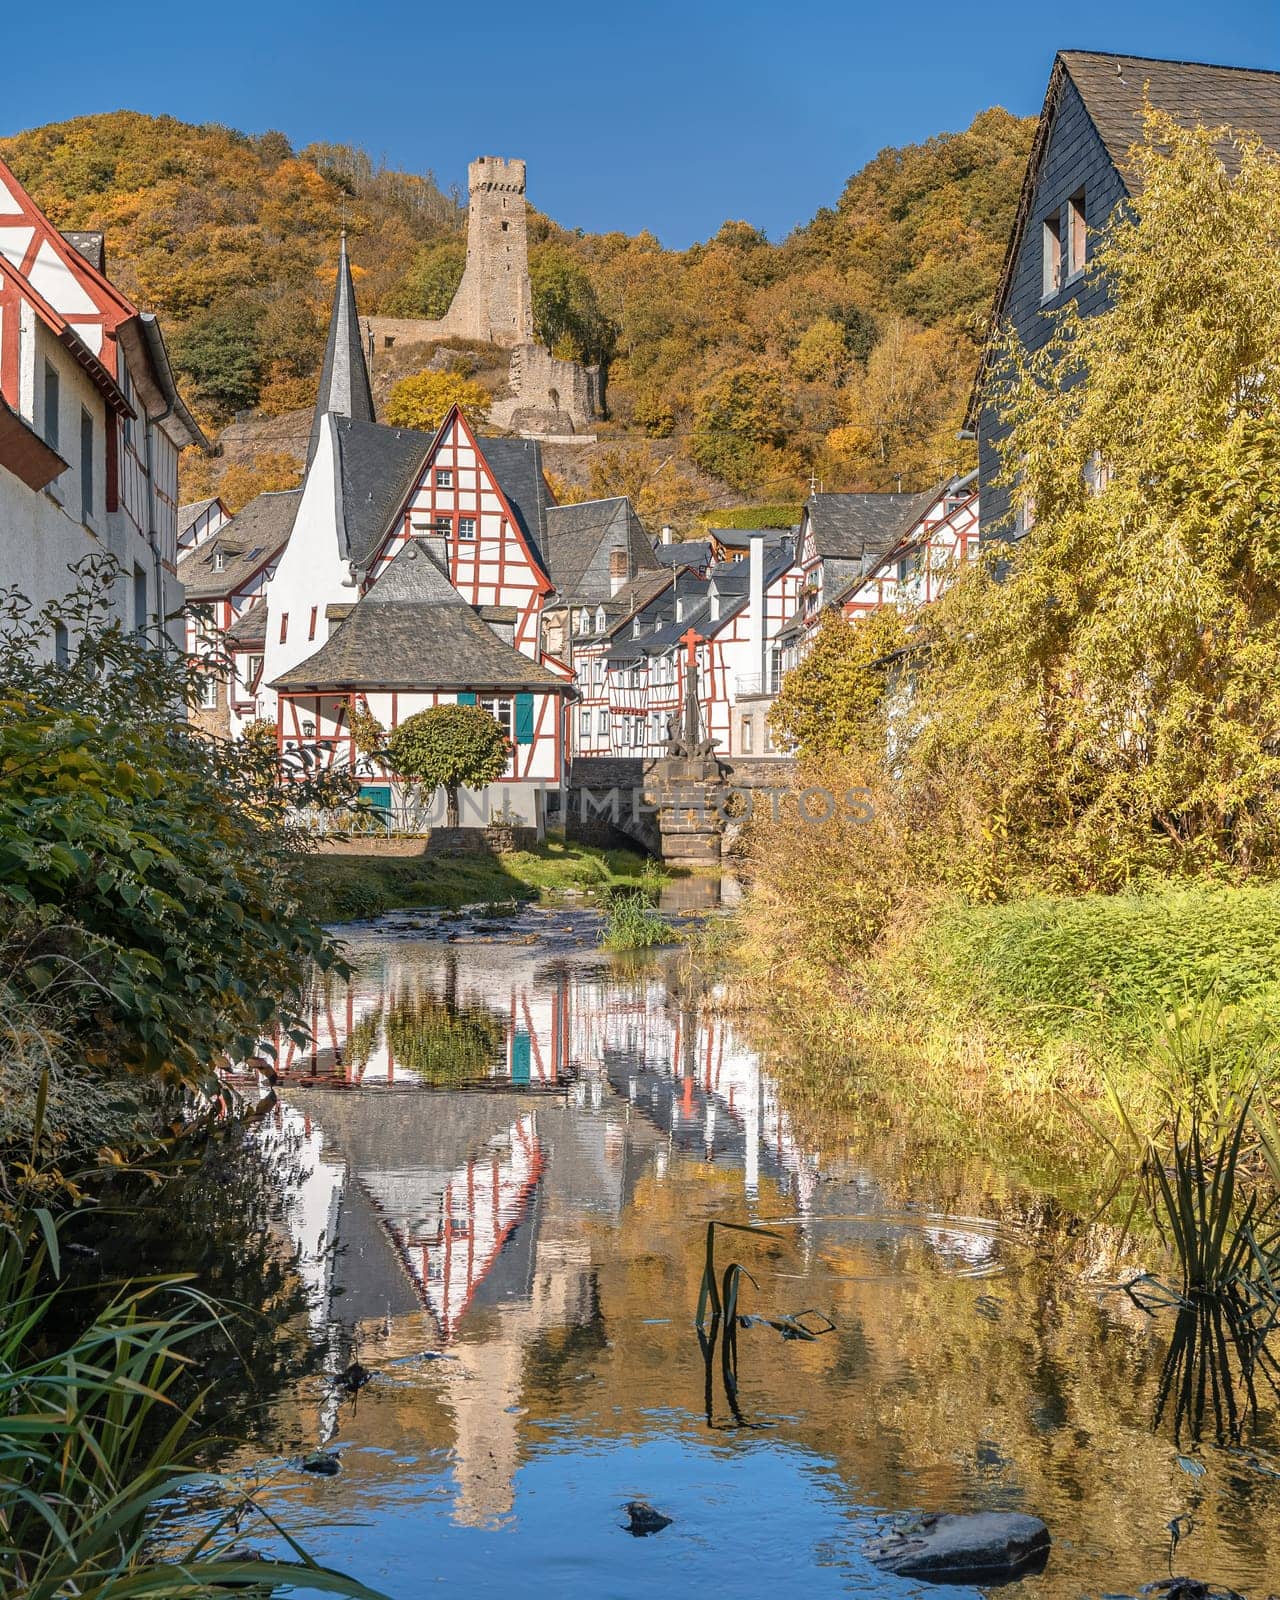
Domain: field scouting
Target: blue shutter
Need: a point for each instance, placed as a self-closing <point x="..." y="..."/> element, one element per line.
<point x="466" y="699"/>
<point x="520" y="1057"/>
<point x="524" y="719"/>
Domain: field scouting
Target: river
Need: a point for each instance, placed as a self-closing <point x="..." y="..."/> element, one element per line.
<point x="495" y="1168"/>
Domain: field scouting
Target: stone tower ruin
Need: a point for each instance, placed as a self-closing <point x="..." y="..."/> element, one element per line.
<point x="494" y="302"/>
<point x="546" y="397"/>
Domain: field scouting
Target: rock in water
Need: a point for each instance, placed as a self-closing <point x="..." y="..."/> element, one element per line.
<point x="987" y="1546"/>
<point x="1187" y="1589"/>
<point x="642" y="1519"/>
<point x="328" y="1466"/>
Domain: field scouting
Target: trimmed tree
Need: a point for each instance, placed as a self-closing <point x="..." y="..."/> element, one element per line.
<point x="449" y="747"/>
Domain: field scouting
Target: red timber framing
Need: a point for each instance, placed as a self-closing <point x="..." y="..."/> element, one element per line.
<point x="918" y="570"/>
<point x="90" y="307"/>
<point x="495" y="566"/>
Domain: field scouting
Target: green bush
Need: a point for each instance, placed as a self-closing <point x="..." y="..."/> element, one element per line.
<point x="147" y="918"/>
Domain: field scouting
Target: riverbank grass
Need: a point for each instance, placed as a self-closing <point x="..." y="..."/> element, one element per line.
<point x="339" y="888"/>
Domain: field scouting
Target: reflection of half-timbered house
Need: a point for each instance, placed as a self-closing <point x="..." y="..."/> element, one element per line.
<point x="93" y="422"/>
<point x="414" y="576"/>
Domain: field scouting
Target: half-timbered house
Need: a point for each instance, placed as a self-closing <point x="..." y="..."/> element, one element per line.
<point x="930" y="554"/>
<point x="225" y="577"/>
<point x="414" y="575"/>
<point x="199" y="520"/>
<point x="85" y="372"/>
<point x="594" y="550"/>
<point x="1078" y="173"/>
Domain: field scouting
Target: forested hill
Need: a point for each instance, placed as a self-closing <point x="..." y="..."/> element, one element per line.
<point x="844" y="350"/>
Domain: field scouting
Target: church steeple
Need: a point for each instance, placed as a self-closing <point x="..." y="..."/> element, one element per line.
<point x="344" y="378"/>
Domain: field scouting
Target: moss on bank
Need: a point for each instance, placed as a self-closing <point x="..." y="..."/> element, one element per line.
<point x="337" y="888"/>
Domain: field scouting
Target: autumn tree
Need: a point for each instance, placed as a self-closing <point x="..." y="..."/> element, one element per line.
<point x="1110" y="684"/>
<point x="450" y="747"/>
<point x="222" y="354"/>
<point x="268" y="472"/>
<point x="742" y="422"/>
<point x="566" y="313"/>
<point x="902" y="413"/>
<point x="423" y="400"/>
<point x="833" y="700"/>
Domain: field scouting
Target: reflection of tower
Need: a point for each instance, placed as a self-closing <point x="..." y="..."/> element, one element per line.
<point x="494" y="302"/>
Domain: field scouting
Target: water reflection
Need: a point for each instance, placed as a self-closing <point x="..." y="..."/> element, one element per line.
<point x="518" y="1262"/>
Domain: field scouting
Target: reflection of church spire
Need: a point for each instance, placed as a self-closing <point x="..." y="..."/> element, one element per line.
<point x="344" y="378"/>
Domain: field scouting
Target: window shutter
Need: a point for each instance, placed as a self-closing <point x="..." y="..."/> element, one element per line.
<point x="466" y="698"/>
<point x="524" y="719"/>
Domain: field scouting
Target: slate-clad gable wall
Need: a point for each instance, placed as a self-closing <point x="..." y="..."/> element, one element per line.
<point x="1074" y="159"/>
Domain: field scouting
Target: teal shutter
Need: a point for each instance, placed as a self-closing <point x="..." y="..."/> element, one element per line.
<point x="520" y="1057"/>
<point x="524" y="719"/>
<point x="466" y="699"/>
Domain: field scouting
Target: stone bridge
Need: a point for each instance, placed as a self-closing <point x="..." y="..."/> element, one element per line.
<point x="673" y="807"/>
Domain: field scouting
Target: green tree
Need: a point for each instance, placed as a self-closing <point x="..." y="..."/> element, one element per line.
<point x="222" y="353"/>
<point x="423" y="401"/>
<point x="833" y="700"/>
<point x="449" y="747"/>
<point x="566" y="313"/>
<point x="428" y="288"/>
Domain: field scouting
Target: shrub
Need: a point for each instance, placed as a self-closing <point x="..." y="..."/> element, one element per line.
<point x="449" y="747"/>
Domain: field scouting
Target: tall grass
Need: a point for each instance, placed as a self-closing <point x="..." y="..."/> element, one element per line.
<point x="93" y="1443"/>
<point x="631" y="923"/>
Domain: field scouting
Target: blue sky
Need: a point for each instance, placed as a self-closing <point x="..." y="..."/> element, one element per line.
<point x="664" y="116"/>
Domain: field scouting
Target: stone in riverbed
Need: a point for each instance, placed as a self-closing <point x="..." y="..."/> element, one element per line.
<point x="1187" y="1589"/>
<point x="642" y="1519"/>
<point x="326" y="1465"/>
<point x="986" y="1546"/>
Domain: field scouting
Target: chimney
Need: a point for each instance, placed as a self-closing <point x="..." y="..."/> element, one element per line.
<point x="755" y="608"/>
<point x="668" y="533"/>
<point x="617" y="570"/>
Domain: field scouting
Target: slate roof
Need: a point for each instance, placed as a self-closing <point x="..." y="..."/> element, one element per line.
<point x="377" y="467"/>
<point x="574" y="535"/>
<point x="193" y="511"/>
<point x="250" y="539"/>
<point x="517" y="465"/>
<point x="413" y="630"/>
<point x="250" y="627"/>
<point x="634" y="595"/>
<point x="687" y="553"/>
<point x="858" y="527"/>
<point x="344" y="378"/>
<point x="1244" y="98"/>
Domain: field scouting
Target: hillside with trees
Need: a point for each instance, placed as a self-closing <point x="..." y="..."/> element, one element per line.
<point x="738" y="365"/>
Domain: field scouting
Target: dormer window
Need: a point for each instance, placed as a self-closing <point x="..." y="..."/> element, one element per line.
<point x="1076" y="240"/>
<point x="219" y="561"/>
<point x="600" y="619"/>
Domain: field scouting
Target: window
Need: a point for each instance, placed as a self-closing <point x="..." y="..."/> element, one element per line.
<point x="139" y="598"/>
<point x="311" y="630"/>
<point x="444" y="478"/>
<point x="602" y="723"/>
<point x="51" y="404"/>
<point x="502" y="710"/>
<point x="284" y="626"/>
<point x="584" y="724"/>
<point x="61" y="645"/>
<point x="748" y="731"/>
<point x="1052" y="262"/>
<point x="1077" y="239"/>
<point x="775" y="669"/>
<point x="86" y="466"/>
<point x="600" y="619"/>
<point x="466" y="527"/>
<point x="207" y="696"/>
<point x="252" y="672"/>
<point x="219" y="560"/>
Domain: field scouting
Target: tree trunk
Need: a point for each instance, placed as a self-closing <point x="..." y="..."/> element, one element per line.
<point x="451" y="805"/>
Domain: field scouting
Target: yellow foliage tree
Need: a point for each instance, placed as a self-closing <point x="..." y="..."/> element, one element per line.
<point x="266" y="473"/>
<point x="423" y="400"/>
